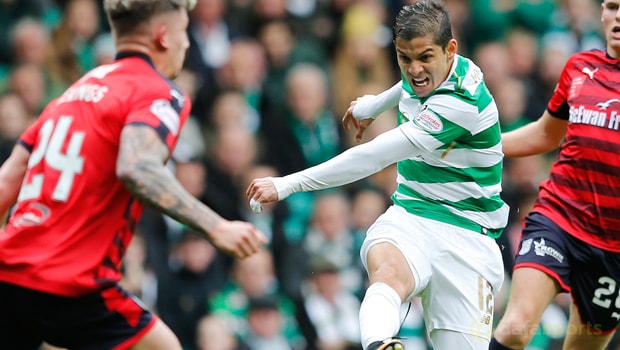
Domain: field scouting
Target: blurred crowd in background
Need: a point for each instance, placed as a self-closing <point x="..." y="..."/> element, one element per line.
<point x="270" y="81"/>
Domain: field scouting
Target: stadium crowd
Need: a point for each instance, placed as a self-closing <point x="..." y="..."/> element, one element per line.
<point x="270" y="81"/>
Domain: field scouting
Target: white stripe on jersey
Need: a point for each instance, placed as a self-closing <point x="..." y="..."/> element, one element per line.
<point x="450" y="191"/>
<point x="463" y="116"/>
<point x="454" y="158"/>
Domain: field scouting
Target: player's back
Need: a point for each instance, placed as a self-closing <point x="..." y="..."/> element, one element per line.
<point x="74" y="218"/>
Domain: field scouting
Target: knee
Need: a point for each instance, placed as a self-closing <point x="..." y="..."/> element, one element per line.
<point x="390" y="275"/>
<point x="385" y="273"/>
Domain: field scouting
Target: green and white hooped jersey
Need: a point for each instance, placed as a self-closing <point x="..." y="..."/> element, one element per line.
<point x="457" y="178"/>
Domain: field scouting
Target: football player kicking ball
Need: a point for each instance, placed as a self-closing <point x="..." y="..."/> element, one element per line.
<point x="436" y="240"/>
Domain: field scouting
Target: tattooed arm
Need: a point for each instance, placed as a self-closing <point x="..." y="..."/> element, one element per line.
<point x="140" y="166"/>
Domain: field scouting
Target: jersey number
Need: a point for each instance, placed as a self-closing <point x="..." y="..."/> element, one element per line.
<point x="485" y="296"/>
<point x="52" y="139"/>
<point x="604" y="295"/>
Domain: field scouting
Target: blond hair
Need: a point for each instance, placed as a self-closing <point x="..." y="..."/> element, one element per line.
<point x="127" y="15"/>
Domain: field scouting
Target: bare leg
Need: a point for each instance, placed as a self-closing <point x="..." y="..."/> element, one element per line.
<point x="580" y="337"/>
<point x="391" y="282"/>
<point x="160" y="337"/>
<point x="531" y="292"/>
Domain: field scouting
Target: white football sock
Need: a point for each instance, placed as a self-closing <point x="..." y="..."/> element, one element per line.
<point x="379" y="313"/>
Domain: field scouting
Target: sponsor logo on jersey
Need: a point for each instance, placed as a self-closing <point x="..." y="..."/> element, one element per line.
<point x="526" y="246"/>
<point x="163" y="110"/>
<point x="601" y="117"/>
<point x="575" y="87"/>
<point x="589" y="72"/>
<point x="476" y="75"/>
<point x="542" y="249"/>
<point x="178" y="96"/>
<point x="35" y="214"/>
<point x="481" y="326"/>
<point x="428" y="121"/>
<point x="606" y="104"/>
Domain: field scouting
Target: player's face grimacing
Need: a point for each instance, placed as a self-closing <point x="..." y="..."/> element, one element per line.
<point x="424" y="64"/>
<point x="610" y="17"/>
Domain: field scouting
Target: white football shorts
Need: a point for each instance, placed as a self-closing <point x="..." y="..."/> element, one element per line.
<point x="457" y="271"/>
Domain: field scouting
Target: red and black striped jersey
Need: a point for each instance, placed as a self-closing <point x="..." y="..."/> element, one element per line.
<point x="74" y="218"/>
<point x="582" y="194"/>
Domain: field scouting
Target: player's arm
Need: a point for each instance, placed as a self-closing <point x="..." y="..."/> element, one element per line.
<point x="140" y="166"/>
<point x="363" y="111"/>
<point x="354" y="164"/>
<point x="540" y="136"/>
<point x="12" y="175"/>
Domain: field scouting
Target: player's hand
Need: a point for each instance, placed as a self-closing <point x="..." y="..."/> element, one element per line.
<point x="360" y="126"/>
<point x="237" y="238"/>
<point x="262" y="190"/>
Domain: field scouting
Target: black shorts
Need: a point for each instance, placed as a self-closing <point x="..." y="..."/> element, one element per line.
<point x="108" y="319"/>
<point x="590" y="274"/>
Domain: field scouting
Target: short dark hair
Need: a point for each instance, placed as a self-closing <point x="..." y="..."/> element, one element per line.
<point x="125" y="16"/>
<point x="425" y="17"/>
<point x="263" y="302"/>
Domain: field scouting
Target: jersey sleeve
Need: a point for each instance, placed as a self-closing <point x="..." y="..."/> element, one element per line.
<point x="558" y="103"/>
<point x="28" y="138"/>
<point x="166" y="113"/>
<point x="434" y="125"/>
<point x="351" y="165"/>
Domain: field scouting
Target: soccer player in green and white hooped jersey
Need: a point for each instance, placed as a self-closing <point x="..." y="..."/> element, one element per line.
<point x="457" y="180"/>
<point x="436" y="241"/>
